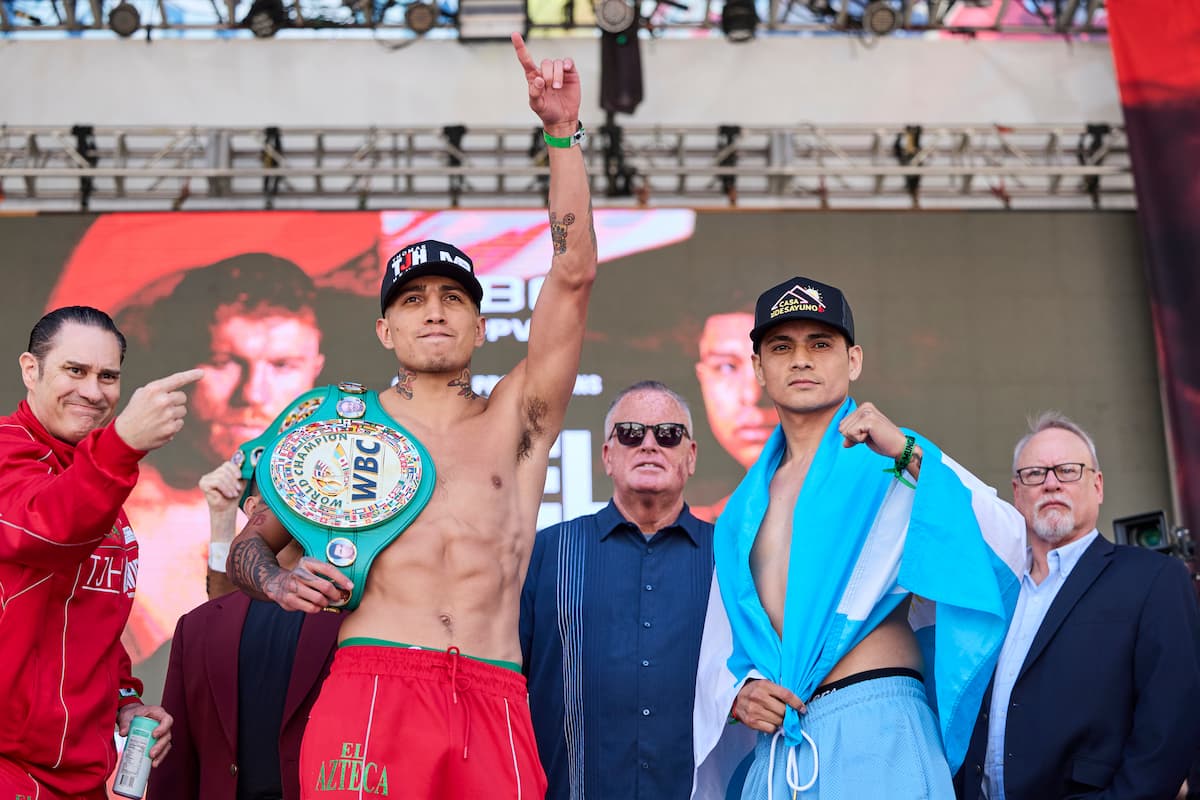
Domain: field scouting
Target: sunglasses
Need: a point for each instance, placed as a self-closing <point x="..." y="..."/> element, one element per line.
<point x="631" y="434"/>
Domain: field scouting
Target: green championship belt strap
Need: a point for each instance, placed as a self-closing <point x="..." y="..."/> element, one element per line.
<point x="342" y="476"/>
<point x="248" y="453"/>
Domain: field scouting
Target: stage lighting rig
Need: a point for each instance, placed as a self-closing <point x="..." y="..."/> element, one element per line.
<point x="124" y="19"/>
<point x="880" y="18"/>
<point x="421" y="17"/>
<point x="266" y="17"/>
<point x="615" y="16"/>
<point x="739" y="20"/>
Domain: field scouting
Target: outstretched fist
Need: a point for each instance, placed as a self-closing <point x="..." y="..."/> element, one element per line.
<point x="553" y="89"/>
<point x="155" y="412"/>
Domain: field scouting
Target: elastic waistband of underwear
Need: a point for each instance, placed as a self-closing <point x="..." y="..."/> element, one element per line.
<point x="369" y="641"/>
<point x="361" y="655"/>
<point x="826" y="689"/>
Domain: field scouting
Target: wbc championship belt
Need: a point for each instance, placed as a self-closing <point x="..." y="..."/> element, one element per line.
<point x="342" y="476"/>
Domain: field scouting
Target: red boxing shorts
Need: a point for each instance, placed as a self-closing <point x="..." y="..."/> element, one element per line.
<point x="400" y="722"/>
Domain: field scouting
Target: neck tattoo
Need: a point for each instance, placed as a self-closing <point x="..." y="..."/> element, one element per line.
<point x="404" y="387"/>
<point x="463" y="384"/>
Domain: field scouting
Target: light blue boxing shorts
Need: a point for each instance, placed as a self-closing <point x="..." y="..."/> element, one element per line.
<point x="869" y="739"/>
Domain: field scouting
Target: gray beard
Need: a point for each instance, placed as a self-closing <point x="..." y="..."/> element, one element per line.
<point x="1054" y="527"/>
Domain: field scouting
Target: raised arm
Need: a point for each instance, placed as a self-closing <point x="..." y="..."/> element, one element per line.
<point x="222" y="488"/>
<point x="254" y="568"/>
<point x="560" y="314"/>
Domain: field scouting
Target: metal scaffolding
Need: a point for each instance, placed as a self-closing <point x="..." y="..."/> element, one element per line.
<point x="411" y="18"/>
<point x="852" y="166"/>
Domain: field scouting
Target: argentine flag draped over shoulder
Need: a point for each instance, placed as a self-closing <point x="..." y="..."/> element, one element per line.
<point x="861" y="541"/>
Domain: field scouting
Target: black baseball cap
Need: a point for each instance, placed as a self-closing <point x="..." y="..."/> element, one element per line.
<point x="802" y="298"/>
<point x="429" y="257"/>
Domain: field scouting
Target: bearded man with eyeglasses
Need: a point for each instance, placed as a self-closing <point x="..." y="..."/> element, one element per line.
<point x="1097" y="686"/>
<point x="612" y="612"/>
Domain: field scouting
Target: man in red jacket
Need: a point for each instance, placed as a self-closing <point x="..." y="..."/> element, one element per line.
<point x="68" y="558"/>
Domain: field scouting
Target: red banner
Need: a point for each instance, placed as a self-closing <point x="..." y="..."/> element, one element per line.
<point x="1156" y="46"/>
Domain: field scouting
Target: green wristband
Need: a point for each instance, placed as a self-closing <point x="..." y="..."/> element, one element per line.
<point x="903" y="461"/>
<point x="566" y="141"/>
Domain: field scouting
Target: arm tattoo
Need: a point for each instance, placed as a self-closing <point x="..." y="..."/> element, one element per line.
<point x="558" y="231"/>
<point x="405" y="385"/>
<point x="253" y="566"/>
<point x="463" y="382"/>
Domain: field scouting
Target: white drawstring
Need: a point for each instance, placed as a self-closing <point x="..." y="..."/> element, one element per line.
<point x="791" y="771"/>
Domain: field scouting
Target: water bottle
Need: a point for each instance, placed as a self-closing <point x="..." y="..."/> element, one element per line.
<point x="134" y="769"/>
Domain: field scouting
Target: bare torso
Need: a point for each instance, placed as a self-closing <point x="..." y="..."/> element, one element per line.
<point x="890" y="644"/>
<point x="453" y="578"/>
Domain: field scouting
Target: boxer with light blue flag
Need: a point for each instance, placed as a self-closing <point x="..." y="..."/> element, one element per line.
<point x="864" y="582"/>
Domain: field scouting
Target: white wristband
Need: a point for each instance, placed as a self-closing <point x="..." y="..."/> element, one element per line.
<point x="218" y="554"/>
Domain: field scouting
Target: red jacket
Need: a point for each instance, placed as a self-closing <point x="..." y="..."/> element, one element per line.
<point x="68" y="567"/>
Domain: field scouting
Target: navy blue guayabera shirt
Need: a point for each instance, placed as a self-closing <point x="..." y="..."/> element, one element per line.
<point x="610" y="633"/>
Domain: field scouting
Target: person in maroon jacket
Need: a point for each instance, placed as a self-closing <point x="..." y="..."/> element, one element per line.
<point x="68" y="558"/>
<point x="243" y="676"/>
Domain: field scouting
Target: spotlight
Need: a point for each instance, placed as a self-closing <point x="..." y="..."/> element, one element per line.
<point x="265" y="18"/>
<point x="615" y="16"/>
<point x="1147" y="530"/>
<point x="880" y="18"/>
<point x="739" y="20"/>
<point x="420" y="17"/>
<point x="124" y="19"/>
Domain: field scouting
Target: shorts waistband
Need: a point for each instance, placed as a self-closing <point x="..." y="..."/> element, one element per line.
<point x="896" y="687"/>
<point x="439" y="665"/>
<point x="358" y="641"/>
<point x="866" y="675"/>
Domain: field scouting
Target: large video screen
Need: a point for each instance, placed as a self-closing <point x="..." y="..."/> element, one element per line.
<point x="970" y="321"/>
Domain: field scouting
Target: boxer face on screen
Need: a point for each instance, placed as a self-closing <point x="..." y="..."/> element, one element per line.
<point x="259" y="362"/>
<point x="739" y="414"/>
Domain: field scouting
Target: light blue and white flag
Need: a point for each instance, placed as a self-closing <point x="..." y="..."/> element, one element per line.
<point x="861" y="542"/>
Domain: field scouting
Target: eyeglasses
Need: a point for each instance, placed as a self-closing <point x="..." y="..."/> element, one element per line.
<point x="1066" y="473"/>
<point x="631" y="434"/>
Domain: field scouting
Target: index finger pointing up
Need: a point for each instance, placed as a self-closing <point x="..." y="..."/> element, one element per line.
<point x="523" y="54"/>
<point x="178" y="380"/>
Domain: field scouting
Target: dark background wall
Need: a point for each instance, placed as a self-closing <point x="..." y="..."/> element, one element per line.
<point x="970" y="321"/>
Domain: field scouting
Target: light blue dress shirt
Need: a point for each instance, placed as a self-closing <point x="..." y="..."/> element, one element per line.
<point x="1032" y="604"/>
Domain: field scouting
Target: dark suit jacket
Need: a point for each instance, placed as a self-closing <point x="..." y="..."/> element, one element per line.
<point x="1107" y="702"/>
<point x="201" y="693"/>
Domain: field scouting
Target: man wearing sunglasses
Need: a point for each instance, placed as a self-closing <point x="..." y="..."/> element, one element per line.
<point x="612" y="612"/>
<point x="813" y="641"/>
<point x="1097" y="686"/>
